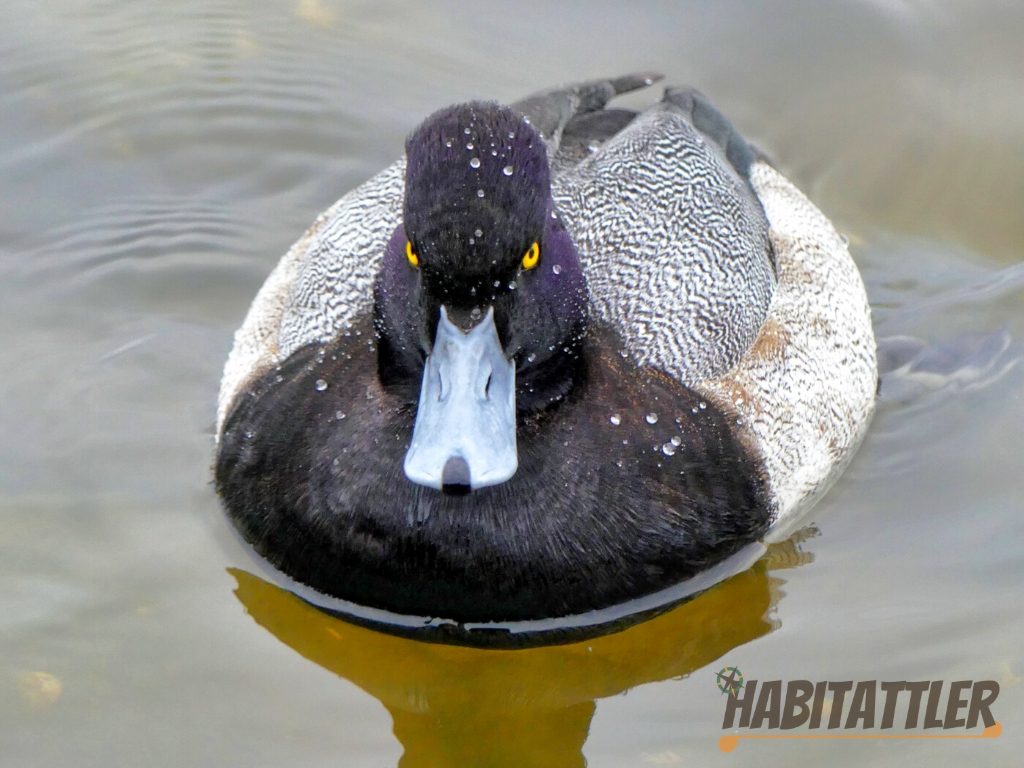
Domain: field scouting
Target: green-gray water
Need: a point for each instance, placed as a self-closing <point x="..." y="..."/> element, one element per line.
<point x="155" y="161"/>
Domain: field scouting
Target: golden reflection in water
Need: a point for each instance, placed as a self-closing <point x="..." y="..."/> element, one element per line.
<point x="453" y="705"/>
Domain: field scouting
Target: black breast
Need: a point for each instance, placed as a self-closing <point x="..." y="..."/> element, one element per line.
<point x="310" y="470"/>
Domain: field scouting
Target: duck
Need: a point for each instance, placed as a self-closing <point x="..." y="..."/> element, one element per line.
<point x="560" y="365"/>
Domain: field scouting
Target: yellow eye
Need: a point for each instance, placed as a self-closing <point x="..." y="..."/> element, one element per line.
<point x="531" y="257"/>
<point x="410" y="254"/>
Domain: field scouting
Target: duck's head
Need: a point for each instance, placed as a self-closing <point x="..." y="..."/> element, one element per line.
<point x="480" y="300"/>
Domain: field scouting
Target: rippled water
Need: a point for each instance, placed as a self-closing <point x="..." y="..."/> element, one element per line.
<point x="156" y="159"/>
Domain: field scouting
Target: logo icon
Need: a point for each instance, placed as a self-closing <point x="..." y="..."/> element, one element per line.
<point x="729" y="680"/>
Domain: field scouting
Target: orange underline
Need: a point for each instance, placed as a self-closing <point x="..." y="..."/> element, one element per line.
<point x="728" y="742"/>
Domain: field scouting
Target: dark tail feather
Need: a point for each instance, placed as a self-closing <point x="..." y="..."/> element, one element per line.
<point x="550" y="111"/>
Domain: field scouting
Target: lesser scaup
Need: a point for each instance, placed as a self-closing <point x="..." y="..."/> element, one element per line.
<point x="557" y="359"/>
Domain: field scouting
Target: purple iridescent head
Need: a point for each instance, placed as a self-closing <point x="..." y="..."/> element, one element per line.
<point x="479" y="245"/>
<point x="477" y="195"/>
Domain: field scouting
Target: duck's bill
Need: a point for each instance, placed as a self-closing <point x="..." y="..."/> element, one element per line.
<point x="465" y="432"/>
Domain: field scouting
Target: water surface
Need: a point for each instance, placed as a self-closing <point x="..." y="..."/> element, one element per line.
<point x="155" y="161"/>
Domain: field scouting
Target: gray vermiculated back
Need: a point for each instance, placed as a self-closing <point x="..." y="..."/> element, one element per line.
<point x="335" y="281"/>
<point x="674" y="247"/>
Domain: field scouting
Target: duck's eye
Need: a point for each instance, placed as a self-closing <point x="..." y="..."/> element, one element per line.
<point x="410" y="254"/>
<point x="531" y="257"/>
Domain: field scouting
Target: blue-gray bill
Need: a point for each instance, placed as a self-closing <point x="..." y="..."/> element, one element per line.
<point x="465" y="432"/>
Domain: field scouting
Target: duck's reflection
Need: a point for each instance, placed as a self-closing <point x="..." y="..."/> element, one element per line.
<point x="461" y="706"/>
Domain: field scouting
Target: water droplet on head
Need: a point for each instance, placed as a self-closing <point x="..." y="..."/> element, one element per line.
<point x="448" y="142"/>
<point x="511" y="134"/>
<point x="507" y="170"/>
<point x="469" y="145"/>
<point x="339" y="415"/>
<point x="478" y="232"/>
<point x="702" y="405"/>
<point x="615" y="419"/>
<point x="668" y="449"/>
<point x="652" y="418"/>
<point x="497" y="283"/>
<point x="474" y="163"/>
<point x="475" y="313"/>
<point x="531" y="357"/>
<point x="512" y="287"/>
<point x="466" y="131"/>
<point x="494" y="153"/>
<point x="677" y="441"/>
<point x="479" y="193"/>
<point x="320" y="385"/>
<point x="556" y="268"/>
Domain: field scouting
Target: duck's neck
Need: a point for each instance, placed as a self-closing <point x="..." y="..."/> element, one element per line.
<point x="550" y="339"/>
<point x="540" y="387"/>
